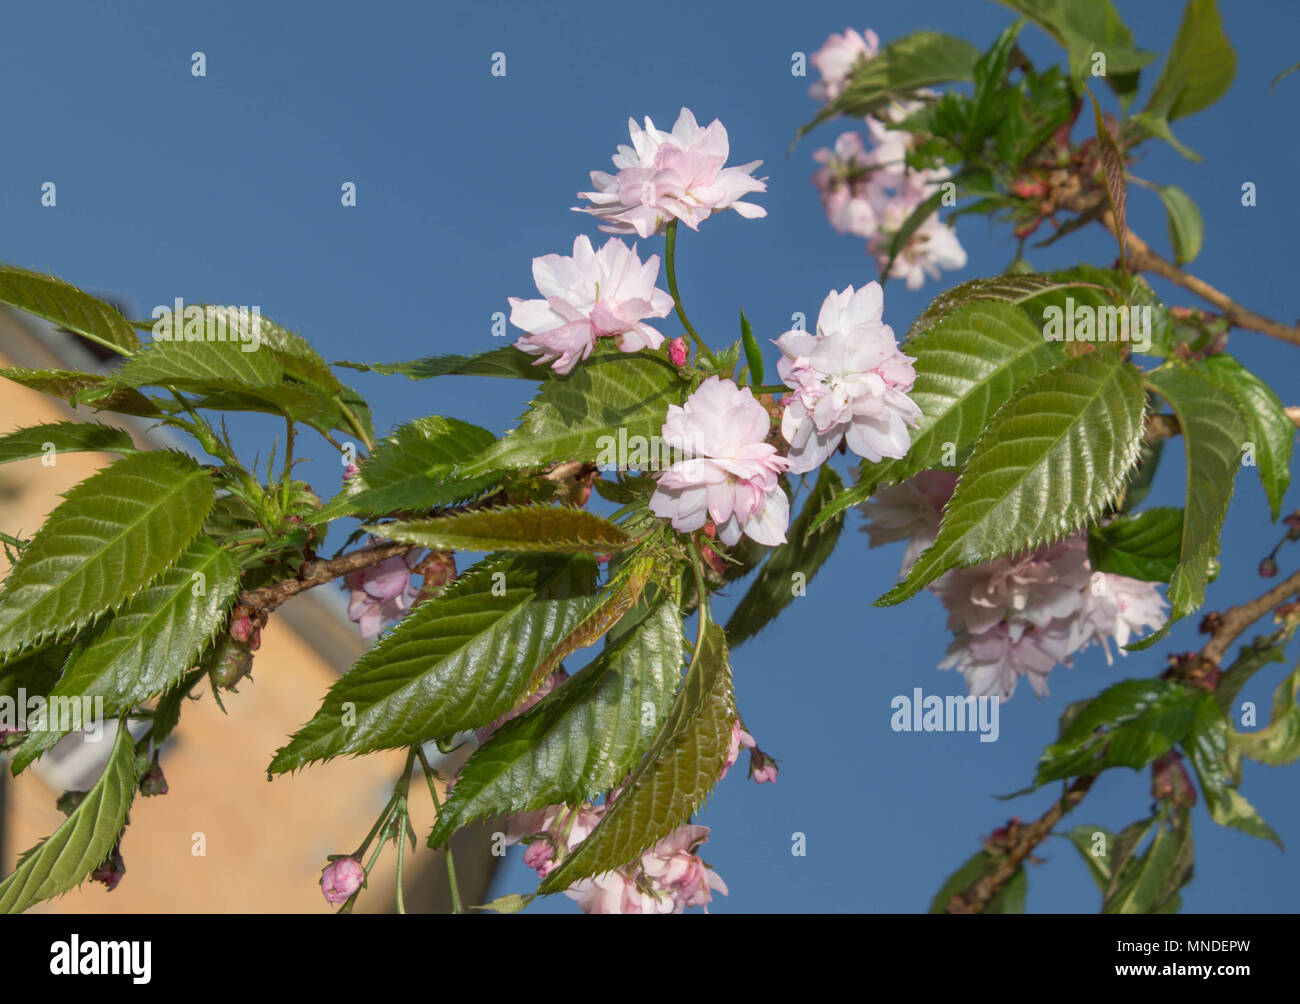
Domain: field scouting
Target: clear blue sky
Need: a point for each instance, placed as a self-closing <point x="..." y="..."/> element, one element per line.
<point x="226" y="189"/>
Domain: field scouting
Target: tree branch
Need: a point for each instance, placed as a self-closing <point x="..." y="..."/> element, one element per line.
<point x="1144" y="259"/>
<point x="1229" y="626"/>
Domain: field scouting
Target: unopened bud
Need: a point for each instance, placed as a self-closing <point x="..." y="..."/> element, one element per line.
<point x="677" y="351"/>
<point x="340" y="879"/>
<point x="1268" y="568"/>
<point x="1170" y="780"/>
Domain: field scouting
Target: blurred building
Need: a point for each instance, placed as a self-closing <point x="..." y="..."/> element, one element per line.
<point x="265" y="842"/>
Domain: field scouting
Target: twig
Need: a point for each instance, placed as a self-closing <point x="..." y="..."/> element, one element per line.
<point x="976" y="897"/>
<point x="1235" y="620"/>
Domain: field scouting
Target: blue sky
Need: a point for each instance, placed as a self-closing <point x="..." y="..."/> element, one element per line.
<point x="226" y="189"/>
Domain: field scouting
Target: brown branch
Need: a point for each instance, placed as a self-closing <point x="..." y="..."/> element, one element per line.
<point x="1229" y="626"/>
<point x="1141" y="257"/>
<point x="977" y="896"/>
<point x="1234" y="621"/>
<point x="317" y="573"/>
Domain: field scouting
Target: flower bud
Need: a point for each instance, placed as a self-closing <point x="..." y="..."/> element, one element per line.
<point x="1292" y="526"/>
<point x="677" y="351"/>
<point x="1268" y="568"/>
<point x="153" y="782"/>
<point x="1170" y="780"/>
<point x="340" y="879"/>
<point x="228" y="662"/>
<point x="762" y="768"/>
<point x="111" y="871"/>
<point x="68" y="801"/>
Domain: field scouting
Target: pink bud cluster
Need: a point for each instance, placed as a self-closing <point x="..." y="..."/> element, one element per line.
<point x="1017" y="616"/>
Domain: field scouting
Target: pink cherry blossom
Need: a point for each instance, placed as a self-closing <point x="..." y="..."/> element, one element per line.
<point x="381" y="593"/>
<point x="850" y="383"/>
<point x="554" y="827"/>
<point x="1118" y="607"/>
<point x="340" y="879"/>
<point x="731" y="474"/>
<point x="909" y="511"/>
<point x="1025" y="590"/>
<point x="837" y="58"/>
<point x="668" y="878"/>
<point x="739" y="738"/>
<point x="993" y="661"/>
<point x="677" y="351"/>
<point x="590" y="295"/>
<point x="678" y="175"/>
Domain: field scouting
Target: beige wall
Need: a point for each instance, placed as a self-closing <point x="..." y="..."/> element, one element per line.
<point x="266" y="842"/>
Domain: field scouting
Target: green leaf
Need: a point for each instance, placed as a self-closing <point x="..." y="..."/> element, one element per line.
<point x="1186" y="228"/>
<point x="1251" y="658"/>
<point x="65" y="437"/>
<point x="1218" y="767"/>
<point x="898" y="70"/>
<point x="753" y="354"/>
<point x="34" y="670"/>
<point x="1016" y="288"/>
<point x="1083" y="29"/>
<point x="68" y="307"/>
<point x="92" y="389"/>
<point x="506" y="361"/>
<point x="580" y="739"/>
<point x="516" y="528"/>
<point x="1279" y="743"/>
<point x="111" y="536"/>
<point x="968" y="365"/>
<point x="458" y="661"/>
<point x="202" y="366"/>
<point x="149" y="643"/>
<point x="1083" y="837"/>
<point x="1142" y="547"/>
<point x="1200" y="66"/>
<point x="62" y="860"/>
<point x="672" y="780"/>
<point x="1143" y="719"/>
<point x="415" y="468"/>
<point x="1054" y="457"/>
<point x="1112" y="162"/>
<point x="1157" y="126"/>
<point x="1213" y="433"/>
<point x="1009" y="899"/>
<point x="1267" y="424"/>
<point x="1147" y="883"/>
<point x="806" y="551"/>
<point x="579" y="418"/>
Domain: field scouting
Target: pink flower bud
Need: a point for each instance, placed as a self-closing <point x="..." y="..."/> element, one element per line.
<point x="1170" y="780"/>
<point x="153" y="782"/>
<point x="341" y="878"/>
<point x="1268" y="568"/>
<point x="677" y="351"/>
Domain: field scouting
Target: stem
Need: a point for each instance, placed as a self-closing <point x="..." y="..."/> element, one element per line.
<point x="702" y="600"/>
<point x="456" y="906"/>
<point x="771" y="388"/>
<point x="355" y="423"/>
<point x="288" y="465"/>
<point x="670" y="266"/>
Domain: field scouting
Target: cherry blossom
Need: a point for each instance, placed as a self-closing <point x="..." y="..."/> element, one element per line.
<point x="837" y="58"/>
<point x="731" y="475"/>
<point x="382" y="593"/>
<point x="677" y="175"/>
<point x="340" y="879"/>
<point x="590" y="295"/>
<point x="850" y="383"/>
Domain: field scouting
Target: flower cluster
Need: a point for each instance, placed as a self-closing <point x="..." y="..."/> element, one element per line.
<point x="1017" y="616"/>
<point x="871" y="192"/>
<point x="732" y="473"/>
<point x="380" y="594"/>
<point x="667" y="878"/>
<point x="850" y="383"/>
